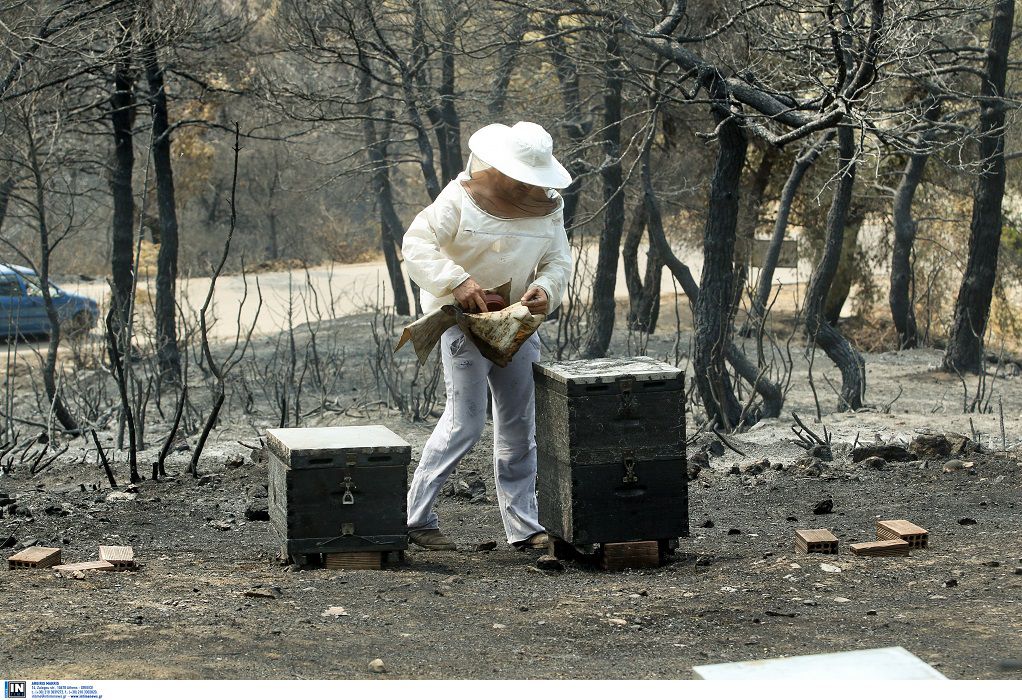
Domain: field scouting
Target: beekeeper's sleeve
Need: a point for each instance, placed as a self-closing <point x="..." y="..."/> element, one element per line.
<point x="554" y="269"/>
<point x="434" y="228"/>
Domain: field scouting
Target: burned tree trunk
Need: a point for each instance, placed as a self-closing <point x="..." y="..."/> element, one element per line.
<point x="713" y="317"/>
<point x="58" y="407"/>
<point x="900" y="296"/>
<point x="507" y="57"/>
<point x="166" y="262"/>
<point x="391" y="230"/>
<point x="820" y="332"/>
<point x="122" y="117"/>
<point x="748" y="219"/>
<point x="605" y="281"/>
<point x="644" y="290"/>
<point x="972" y="309"/>
<point x="766" y="273"/>
<point x="446" y="122"/>
<point x="841" y="287"/>
<point x="773" y="397"/>
<point x="630" y="259"/>
<point x="6" y="188"/>
<point x="573" y="124"/>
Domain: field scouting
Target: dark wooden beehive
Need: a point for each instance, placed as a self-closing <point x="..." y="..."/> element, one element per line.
<point x="610" y="436"/>
<point x="338" y="489"/>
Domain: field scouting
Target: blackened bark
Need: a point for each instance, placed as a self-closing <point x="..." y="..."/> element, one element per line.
<point x="50" y="361"/>
<point x="507" y="58"/>
<point x="752" y="203"/>
<point x="713" y="318"/>
<point x="601" y="325"/>
<point x="574" y="127"/>
<point x="6" y="188"/>
<point x="837" y="347"/>
<point x="122" y="117"/>
<point x="648" y="308"/>
<point x="414" y="78"/>
<point x="972" y="309"/>
<point x="630" y="259"/>
<point x="166" y="262"/>
<point x="644" y="290"/>
<point x="448" y="124"/>
<point x="773" y="397"/>
<point x="841" y="287"/>
<point x="766" y="273"/>
<point x="902" y="278"/>
<point x="391" y="231"/>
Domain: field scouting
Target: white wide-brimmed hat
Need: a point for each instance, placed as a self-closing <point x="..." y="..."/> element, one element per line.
<point x="524" y="152"/>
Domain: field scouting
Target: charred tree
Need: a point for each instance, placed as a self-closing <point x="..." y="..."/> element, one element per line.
<point x="773" y="397"/>
<point x="508" y="57"/>
<point x="391" y="231"/>
<point x="802" y="164"/>
<point x="819" y="331"/>
<point x="972" y="308"/>
<point x="122" y="118"/>
<point x="6" y="188"/>
<point x="841" y="287"/>
<point x="630" y="259"/>
<point x="902" y="278"/>
<point x="46" y="246"/>
<point x="643" y="290"/>
<point x="166" y="263"/>
<point x="573" y="125"/>
<point x="714" y="306"/>
<point x="444" y="115"/>
<point x="605" y="280"/>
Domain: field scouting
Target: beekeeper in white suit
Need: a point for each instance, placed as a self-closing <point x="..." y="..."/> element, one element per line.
<point x="500" y="219"/>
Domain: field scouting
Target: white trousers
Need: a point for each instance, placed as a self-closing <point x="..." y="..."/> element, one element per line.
<point x="466" y="373"/>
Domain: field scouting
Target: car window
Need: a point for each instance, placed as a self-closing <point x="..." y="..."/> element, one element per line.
<point x="32" y="287"/>
<point x="9" y="287"/>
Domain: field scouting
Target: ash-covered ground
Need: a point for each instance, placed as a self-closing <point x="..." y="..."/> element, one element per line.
<point x="210" y="599"/>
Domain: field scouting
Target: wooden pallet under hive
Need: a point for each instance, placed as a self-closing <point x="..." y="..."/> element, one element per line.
<point x="883" y="548"/>
<point x="815" y="542"/>
<point x="353" y="560"/>
<point x="917" y="537"/>
<point x="618" y="556"/>
<point x="34" y="558"/>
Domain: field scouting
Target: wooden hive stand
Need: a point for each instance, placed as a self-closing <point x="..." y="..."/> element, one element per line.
<point x="815" y="542"/>
<point x="34" y="558"/>
<point x="883" y="548"/>
<point x="917" y="537"/>
<point x="618" y="556"/>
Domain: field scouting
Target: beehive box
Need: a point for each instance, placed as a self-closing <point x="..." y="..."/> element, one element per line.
<point x="917" y="537"/>
<point x="610" y="437"/>
<point x="338" y="489"/>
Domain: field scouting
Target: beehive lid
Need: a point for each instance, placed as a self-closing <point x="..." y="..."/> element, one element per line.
<point x="294" y="445"/>
<point x="607" y="370"/>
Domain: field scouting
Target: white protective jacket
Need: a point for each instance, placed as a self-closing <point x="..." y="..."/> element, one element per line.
<point x="453" y="239"/>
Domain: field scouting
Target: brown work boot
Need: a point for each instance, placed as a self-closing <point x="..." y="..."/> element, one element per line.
<point x="539" y="540"/>
<point x="432" y="539"/>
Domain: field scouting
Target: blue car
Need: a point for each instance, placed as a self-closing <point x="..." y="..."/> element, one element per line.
<point x="23" y="313"/>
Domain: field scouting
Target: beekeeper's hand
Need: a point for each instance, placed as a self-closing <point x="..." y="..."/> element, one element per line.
<point x="536" y="301"/>
<point x="469" y="296"/>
